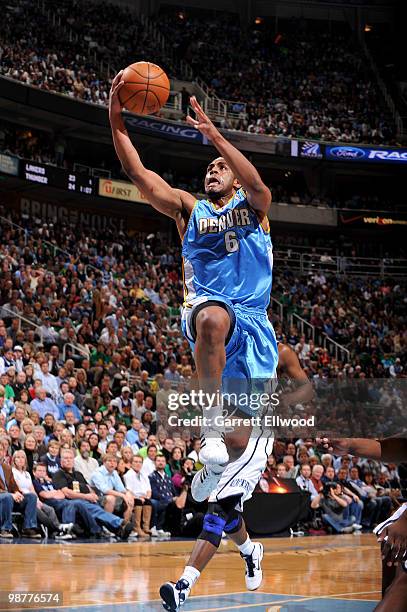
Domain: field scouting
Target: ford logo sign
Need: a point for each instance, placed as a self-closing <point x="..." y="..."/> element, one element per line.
<point x="347" y="152"/>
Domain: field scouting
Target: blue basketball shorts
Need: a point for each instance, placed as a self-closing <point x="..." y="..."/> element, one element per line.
<point x="251" y="351"/>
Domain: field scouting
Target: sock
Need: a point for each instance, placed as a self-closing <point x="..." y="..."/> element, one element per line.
<point x="247" y="547"/>
<point x="215" y="419"/>
<point x="216" y="468"/>
<point x="190" y="574"/>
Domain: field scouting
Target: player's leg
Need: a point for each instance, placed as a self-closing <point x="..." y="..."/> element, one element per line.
<point x="395" y="596"/>
<point x="212" y="324"/>
<point x="251" y="552"/>
<point x="217" y="517"/>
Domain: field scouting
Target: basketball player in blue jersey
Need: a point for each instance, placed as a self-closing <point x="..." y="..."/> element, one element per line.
<point x="227" y="267"/>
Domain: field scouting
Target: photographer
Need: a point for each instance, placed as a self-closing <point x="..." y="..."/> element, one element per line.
<point x="333" y="506"/>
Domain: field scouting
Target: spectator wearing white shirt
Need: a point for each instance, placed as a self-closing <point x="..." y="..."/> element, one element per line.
<point x="18" y="358"/>
<point x="138" y="484"/>
<point x="46" y="515"/>
<point x="49" y="334"/>
<point x="84" y="462"/>
<point x="149" y="461"/>
<point x="304" y="481"/>
<point x="49" y="381"/>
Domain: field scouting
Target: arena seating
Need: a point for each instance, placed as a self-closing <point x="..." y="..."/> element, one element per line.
<point x="102" y="310"/>
<point x="337" y="100"/>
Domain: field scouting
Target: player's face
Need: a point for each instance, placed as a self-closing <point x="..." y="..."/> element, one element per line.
<point x="219" y="179"/>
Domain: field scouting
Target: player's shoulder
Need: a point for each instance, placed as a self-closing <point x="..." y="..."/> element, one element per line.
<point x="285" y="353"/>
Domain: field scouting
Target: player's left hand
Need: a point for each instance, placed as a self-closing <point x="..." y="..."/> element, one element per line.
<point x="394" y="538"/>
<point x="202" y="121"/>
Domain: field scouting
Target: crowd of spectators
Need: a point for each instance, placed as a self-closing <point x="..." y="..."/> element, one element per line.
<point x="72" y="48"/>
<point x="297" y="84"/>
<point x="85" y="379"/>
<point x="365" y="315"/>
<point x="300" y="82"/>
<point x="346" y="494"/>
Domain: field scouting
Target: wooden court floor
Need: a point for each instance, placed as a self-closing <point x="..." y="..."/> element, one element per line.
<point x="323" y="574"/>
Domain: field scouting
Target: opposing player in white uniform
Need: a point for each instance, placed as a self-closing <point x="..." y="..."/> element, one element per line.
<point x="234" y="488"/>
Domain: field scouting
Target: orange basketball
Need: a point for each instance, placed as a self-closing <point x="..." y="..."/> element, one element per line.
<point x="146" y="90"/>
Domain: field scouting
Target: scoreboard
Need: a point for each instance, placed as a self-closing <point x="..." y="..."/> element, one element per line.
<point x="43" y="174"/>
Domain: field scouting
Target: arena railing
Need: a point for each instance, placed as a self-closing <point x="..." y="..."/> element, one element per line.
<point x="319" y="337"/>
<point x="279" y="306"/>
<point x="78" y="348"/>
<point x="305" y="326"/>
<point x="55" y="248"/>
<point x="20" y="317"/>
<point x="334" y="348"/>
<point x="307" y="263"/>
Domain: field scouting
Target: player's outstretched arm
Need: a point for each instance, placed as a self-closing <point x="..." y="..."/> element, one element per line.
<point x="172" y="202"/>
<point x="258" y="194"/>
<point x="392" y="450"/>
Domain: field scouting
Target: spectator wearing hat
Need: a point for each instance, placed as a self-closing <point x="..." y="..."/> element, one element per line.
<point x="125" y="405"/>
<point x="18" y="358"/>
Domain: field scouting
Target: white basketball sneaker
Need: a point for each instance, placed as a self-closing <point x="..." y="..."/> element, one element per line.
<point x="174" y="595"/>
<point x="213" y="448"/>
<point x="205" y="481"/>
<point x="254" y="573"/>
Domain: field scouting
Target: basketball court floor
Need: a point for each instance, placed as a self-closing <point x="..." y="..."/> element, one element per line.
<point x="310" y="574"/>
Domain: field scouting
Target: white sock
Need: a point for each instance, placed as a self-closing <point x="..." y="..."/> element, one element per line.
<point x="190" y="574"/>
<point x="215" y="419"/>
<point x="247" y="547"/>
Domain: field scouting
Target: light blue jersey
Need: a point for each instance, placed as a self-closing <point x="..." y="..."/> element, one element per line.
<point x="227" y="253"/>
<point x="228" y="258"/>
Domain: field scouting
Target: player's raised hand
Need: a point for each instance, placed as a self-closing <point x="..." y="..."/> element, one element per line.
<point x="201" y="121"/>
<point x="337" y="447"/>
<point x="115" y="105"/>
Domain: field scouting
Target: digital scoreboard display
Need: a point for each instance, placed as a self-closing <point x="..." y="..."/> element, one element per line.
<point x="43" y="174"/>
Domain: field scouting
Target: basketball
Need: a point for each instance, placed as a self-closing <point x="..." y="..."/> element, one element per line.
<point x="146" y="90"/>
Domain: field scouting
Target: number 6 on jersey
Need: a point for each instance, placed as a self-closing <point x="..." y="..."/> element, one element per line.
<point x="231" y="242"/>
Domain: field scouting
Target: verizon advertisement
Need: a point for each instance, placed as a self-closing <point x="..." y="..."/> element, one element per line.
<point x="372" y="219"/>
